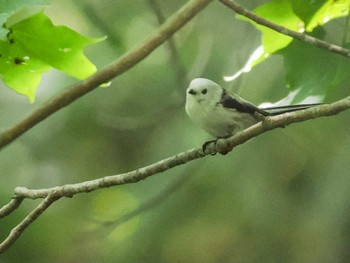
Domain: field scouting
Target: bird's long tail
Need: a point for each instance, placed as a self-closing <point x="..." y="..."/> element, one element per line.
<point x="272" y="111"/>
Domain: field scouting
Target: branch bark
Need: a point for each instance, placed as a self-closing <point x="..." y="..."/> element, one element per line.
<point x="10" y="207"/>
<point x="223" y="145"/>
<point x="19" y="229"/>
<point x="50" y="195"/>
<point x="127" y="61"/>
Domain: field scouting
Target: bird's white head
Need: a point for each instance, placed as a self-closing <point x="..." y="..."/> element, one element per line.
<point x="202" y="93"/>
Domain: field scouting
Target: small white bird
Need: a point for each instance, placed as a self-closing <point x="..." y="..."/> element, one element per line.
<point x="223" y="114"/>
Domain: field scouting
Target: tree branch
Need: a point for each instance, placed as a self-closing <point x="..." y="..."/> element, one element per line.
<point x="50" y="195"/>
<point x="130" y="59"/>
<point x="152" y="202"/>
<point x="296" y="35"/>
<point x="135" y="176"/>
<point x="222" y="146"/>
<point x="279" y="121"/>
<point x="10" y="207"/>
<point x="18" y="230"/>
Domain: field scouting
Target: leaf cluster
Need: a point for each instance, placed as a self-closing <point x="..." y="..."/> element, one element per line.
<point x="302" y="60"/>
<point x="33" y="45"/>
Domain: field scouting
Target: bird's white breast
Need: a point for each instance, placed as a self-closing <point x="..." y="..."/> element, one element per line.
<point x="216" y="120"/>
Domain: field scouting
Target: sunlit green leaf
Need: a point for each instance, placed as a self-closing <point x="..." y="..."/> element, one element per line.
<point x="34" y="45"/>
<point x="306" y="9"/>
<point x="297" y="15"/>
<point x="279" y="12"/>
<point x="315" y="13"/>
<point x="57" y="46"/>
<point x="19" y="70"/>
<point x="15" y="10"/>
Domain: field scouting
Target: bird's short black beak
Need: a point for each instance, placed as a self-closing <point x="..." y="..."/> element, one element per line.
<point x="192" y="92"/>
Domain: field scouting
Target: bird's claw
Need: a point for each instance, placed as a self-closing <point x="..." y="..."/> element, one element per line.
<point x="205" y="145"/>
<point x="220" y="146"/>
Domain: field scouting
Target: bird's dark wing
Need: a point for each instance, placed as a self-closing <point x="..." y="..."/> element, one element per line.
<point x="232" y="101"/>
<point x="288" y="108"/>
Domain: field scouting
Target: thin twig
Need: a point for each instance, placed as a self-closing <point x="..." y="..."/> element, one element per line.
<point x="152" y="202"/>
<point x="127" y="61"/>
<point x="70" y="190"/>
<point x="10" y="207"/>
<point x="178" y="67"/>
<point x="106" y="227"/>
<point x="19" y="229"/>
<point x="296" y="35"/>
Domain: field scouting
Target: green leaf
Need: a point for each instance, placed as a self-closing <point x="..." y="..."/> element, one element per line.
<point x="19" y="70"/>
<point x="279" y="12"/>
<point x="312" y="71"/>
<point x="58" y="46"/>
<point x="9" y="11"/>
<point x="315" y="13"/>
<point x="297" y="15"/>
<point x="34" y="45"/>
<point x="3" y="30"/>
<point x="306" y="9"/>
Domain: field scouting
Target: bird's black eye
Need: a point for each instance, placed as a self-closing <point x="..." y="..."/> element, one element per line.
<point x="192" y="92"/>
<point x="204" y="91"/>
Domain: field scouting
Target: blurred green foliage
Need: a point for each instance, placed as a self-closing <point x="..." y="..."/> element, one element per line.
<point x="281" y="197"/>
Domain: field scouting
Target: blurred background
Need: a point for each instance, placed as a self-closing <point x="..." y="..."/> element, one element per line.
<point x="281" y="197"/>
